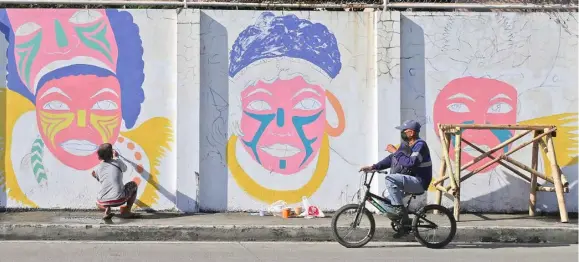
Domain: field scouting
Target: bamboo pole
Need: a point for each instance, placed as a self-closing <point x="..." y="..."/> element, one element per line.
<point x="445" y="154"/>
<point x="494" y="149"/>
<point x="517" y="172"/>
<point x="441" y="179"/>
<point x="488" y="154"/>
<point x="556" y="175"/>
<point x="564" y="181"/>
<point x="526" y="168"/>
<point x="534" y="165"/>
<point x="456" y="177"/>
<point x="503" y="127"/>
<point x="512" y="139"/>
<point x="551" y="189"/>
<point x="442" y="171"/>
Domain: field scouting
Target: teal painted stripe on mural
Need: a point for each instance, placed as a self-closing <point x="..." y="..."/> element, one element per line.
<point x="36" y="156"/>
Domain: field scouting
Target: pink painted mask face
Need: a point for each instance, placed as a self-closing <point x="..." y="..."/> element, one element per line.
<point x="76" y="114"/>
<point x="283" y="123"/>
<point x="47" y="40"/>
<point x="470" y="100"/>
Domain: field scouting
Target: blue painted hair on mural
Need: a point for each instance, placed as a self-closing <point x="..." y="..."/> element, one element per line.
<point x="130" y="64"/>
<point x="285" y="36"/>
<point x="74" y="70"/>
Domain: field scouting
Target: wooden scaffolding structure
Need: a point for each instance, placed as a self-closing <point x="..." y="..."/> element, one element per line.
<point x="542" y="138"/>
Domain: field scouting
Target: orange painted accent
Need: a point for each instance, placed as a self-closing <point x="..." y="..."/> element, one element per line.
<point x="140" y="168"/>
<point x="336" y="131"/>
<point x="121" y="139"/>
<point x="137" y="180"/>
<point x="138" y="156"/>
<point x="131" y="146"/>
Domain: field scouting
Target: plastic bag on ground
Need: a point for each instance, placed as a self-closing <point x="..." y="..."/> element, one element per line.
<point x="276" y="207"/>
<point x="310" y="211"/>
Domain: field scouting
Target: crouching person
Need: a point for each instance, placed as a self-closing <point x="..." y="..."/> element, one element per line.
<point x="109" y="173"/>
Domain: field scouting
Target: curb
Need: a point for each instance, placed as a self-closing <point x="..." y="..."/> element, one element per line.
<point x="266" y="233"/>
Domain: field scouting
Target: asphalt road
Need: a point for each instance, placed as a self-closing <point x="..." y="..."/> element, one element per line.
<point x="24" y="251"/>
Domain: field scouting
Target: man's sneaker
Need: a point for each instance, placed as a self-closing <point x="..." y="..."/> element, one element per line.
<point x="395" y="213"/>
<point x="398" y="215"/>
<point x="404" y="228"/>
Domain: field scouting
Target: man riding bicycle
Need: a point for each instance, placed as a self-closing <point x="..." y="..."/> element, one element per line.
<point x="410" y="170"/>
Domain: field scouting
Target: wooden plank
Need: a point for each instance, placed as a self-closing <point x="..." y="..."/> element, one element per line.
<point x="503" y="127"/>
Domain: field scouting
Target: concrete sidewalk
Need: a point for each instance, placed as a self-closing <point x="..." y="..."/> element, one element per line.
<point x="44" y="225"/>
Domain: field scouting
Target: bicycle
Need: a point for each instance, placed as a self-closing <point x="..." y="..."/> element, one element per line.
<point x="418" y="222"/>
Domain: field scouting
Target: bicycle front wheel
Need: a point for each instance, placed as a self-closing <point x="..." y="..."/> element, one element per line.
<point x="427" y="224"/>
<point x="344" y="226"/>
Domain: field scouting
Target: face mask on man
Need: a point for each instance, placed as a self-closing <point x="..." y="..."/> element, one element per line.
<point x="404" y="136"/>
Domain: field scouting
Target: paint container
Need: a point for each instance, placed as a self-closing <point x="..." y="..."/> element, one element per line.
<point x="298" y="210"/>
<point x="261" y="213"/>
<point x="124" y="210"/>
<point x="285" y="213"/>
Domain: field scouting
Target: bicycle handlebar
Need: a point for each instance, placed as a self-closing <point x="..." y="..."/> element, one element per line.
<point x="376" y="171"/>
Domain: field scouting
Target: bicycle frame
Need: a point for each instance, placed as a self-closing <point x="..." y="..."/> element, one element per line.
<point x="371" y="198"/>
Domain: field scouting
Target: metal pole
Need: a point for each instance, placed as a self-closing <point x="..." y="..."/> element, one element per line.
<point x="478" y="6"/>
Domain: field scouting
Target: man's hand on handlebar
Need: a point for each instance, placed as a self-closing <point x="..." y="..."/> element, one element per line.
<point x="366" y="169"/>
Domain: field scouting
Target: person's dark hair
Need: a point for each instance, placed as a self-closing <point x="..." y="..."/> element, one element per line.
<point x="105" y="152"/>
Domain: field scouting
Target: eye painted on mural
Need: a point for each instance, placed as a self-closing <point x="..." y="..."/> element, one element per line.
<point x="56" y="105"/>
<point x="27" y="29"/>
<point x="258" y="105"/>
<point x="85" y="17"/>
<point x="458" y="108"/>
<point x="500" y="108"/>
<point x="106" y="105"/>
<point x="308" y="104"/>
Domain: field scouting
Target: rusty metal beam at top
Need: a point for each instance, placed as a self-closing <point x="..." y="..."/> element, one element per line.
<point x="488" y="126"/>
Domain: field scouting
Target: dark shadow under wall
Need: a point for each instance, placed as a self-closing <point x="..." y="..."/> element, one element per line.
<point x="214" y="113"/>
<point x="412" y="73"/>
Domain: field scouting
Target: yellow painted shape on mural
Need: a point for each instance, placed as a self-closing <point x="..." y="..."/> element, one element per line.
<point x="154" y="136"/>
<point x="16" y="106"/>
<point x="53" y="123"/>
<point x="269" y="196"/>
<point x="105" y="125"/>
<point x="565" y="142"/>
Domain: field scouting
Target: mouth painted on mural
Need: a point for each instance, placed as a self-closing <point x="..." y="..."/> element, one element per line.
<point x="79" y="147"/>
<point x="281" y="150"/>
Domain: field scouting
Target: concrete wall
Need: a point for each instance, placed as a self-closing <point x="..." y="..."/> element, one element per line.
<point x="233" y="110"/>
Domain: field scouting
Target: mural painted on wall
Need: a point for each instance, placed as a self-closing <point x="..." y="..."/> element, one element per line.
<point x="280" y="68"/>
<point x="470" y="100"/>
<point x="497" y="76"/>
<point x="74" y="81"/>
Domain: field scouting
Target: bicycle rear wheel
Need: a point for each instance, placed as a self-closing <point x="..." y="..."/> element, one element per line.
<point x="425" y="219"/>
<point x="349" y="212"/>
